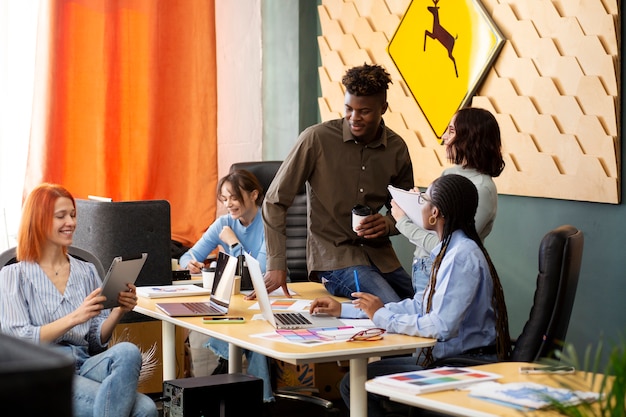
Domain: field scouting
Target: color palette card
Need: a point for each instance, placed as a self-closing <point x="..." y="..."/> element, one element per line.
<point x="437" y="379"/>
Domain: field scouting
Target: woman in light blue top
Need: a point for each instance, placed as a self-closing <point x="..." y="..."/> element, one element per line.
<point x="51" y="297"/>
<point x="473" y="144"/>
<point x="463" y="306"/>
<point x="239" y="230"/>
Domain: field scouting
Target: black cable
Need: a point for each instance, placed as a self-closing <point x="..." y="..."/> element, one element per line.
<point x="162" y="399"/>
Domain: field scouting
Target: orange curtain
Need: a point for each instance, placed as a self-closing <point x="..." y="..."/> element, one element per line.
<point x="125" y="104"/>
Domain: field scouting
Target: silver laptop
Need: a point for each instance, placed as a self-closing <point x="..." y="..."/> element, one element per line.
<point x="221" y="293"/>
<point x="284" y="320"/>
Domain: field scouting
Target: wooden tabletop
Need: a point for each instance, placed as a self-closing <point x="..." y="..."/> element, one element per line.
<point x="459" y="403"/>
<point x="243" y="334"/>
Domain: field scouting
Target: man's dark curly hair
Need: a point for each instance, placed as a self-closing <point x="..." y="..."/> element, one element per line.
<point x="366" y="80"/>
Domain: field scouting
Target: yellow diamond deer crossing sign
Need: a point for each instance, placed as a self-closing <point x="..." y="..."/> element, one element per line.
<point x="443" y="49"/>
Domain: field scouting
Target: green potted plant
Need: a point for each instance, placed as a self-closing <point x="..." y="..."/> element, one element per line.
<point x="612" y="381"/>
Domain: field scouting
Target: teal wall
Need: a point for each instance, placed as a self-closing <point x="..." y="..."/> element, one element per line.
<point x="290" y="80"/>
<point x="600" y="307"/>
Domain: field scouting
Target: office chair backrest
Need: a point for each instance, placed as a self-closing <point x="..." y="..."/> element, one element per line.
<point x="560" y="255"/>
<point x="296" y="217"/>
<point x="85" y="255"/>
<point x="9" y="257"/>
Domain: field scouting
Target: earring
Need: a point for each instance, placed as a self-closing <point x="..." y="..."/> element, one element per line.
<point x="432" y="220"/>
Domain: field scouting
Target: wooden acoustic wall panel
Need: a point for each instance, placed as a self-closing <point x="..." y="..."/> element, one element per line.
<point x="553" y="89"/>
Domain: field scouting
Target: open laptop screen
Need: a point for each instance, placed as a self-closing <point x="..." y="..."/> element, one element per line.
<point x="222" y="288"/>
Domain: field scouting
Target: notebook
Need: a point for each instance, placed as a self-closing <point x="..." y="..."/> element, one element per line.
<point x="283" y="320"/>
<point x="166" y="291"/>
<point x="123" y="270"/>
<point x="219" y="300"/>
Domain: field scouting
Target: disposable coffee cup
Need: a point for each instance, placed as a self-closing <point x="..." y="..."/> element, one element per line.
<point x="208" y="274"/>
<point x="359" y="212"/>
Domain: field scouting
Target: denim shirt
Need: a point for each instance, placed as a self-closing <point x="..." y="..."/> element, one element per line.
<point x="461" y="317"/>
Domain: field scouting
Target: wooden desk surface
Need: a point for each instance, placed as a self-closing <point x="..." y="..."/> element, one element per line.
<point x="240" y="334"/>
<point x="459" y="403"/>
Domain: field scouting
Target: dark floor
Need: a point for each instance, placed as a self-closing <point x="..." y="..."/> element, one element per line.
<point x="288" y="408"/>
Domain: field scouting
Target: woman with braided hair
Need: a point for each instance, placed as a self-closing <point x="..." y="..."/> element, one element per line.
<point x="463" y="305"/>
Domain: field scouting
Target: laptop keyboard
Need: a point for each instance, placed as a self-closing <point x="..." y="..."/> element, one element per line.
<point x="201" y="308"/>
<point x="291" y="319"/>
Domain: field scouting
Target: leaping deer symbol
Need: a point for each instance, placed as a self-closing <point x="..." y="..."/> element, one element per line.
<point x="441" y="34"/>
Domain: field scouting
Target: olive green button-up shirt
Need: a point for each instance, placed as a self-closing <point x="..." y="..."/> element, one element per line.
<point x="339" y="173"/>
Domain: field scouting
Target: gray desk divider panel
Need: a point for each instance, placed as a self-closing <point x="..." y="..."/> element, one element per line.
<point x="128" y="228"/>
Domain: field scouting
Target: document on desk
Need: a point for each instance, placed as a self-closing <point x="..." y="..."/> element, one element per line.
<point x="276" y="293"/>
<point x="161" y="291"/>
<point x="286" y="304"/>
<point x="317" y="336"/>
<point x="529" y="395"/>
<point x="409" y="203"/>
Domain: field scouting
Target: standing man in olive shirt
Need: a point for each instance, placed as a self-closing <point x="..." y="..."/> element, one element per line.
<point x="344" y="162"/>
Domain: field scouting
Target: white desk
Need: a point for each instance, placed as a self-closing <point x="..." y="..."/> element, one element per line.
<point x="459" y="403"/>
<point x="239" y="337"/>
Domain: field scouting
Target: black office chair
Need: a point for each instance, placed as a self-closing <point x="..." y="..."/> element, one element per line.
<point x="560" y="255"/>
<point x="296" y="255"/>
<point x="9" y="257"/>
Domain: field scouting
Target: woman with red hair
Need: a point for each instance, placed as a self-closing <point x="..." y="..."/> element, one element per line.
<point x="51" y="297"/>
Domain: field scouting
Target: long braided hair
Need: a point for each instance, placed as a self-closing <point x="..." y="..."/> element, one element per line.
<point x="456" y="198"/>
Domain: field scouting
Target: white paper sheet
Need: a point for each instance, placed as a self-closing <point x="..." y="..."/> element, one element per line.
<point x="409" y="203"/>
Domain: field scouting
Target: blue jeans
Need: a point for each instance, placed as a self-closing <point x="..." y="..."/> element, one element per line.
<point x="258" y="365"/>
<point x="421" y="273"/>
<point x="389" y="287"/>
<point x="106" y="384"/>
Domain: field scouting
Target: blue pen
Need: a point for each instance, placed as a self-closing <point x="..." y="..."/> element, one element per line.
<point x="356" y="281"/>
